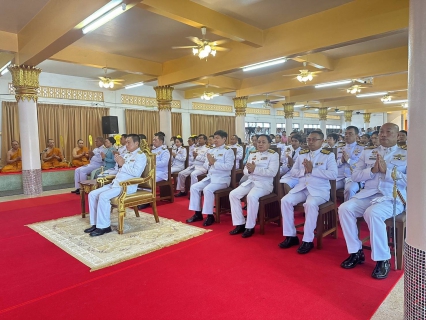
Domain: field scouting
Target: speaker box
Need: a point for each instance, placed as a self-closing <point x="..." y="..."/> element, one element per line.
<point x="109" y="124"/>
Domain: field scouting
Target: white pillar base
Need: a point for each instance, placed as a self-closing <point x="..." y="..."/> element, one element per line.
<point x="166" y="125"/>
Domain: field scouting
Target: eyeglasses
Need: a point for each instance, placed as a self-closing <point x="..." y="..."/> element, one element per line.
<point x="312" y="140"/>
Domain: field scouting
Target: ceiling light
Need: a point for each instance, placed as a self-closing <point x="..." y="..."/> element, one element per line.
<point x="101" y="20"/>
<point x="264" y="64"/>
<point x="405" y="105"/>
<point x="109" y="6"/>
<point x="373" y="94"/>
<point x="339" y="111"/>
<point x="353" y="89"/>
<point x="133" y="85"/>
<point x="396" y="101"/>
<point x="208" y="95"/>
<point x="107" y="83"/>
<point x="257" y="102"/>
<point x="329" y="84"/>
<point x="304" y="76"/>
<point x="4" y="69"/>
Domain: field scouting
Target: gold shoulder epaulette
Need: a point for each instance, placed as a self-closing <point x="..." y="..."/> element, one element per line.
<point x="369" y="147"/>
<point x="253" y="151"/>
<point x="140" y="152"/>
<point x="271" y="151"/>
<point x="164" y="147"/>
<point x="238" y="145"/>
<point x="303" y="151"/>
<point x="325" y="151"/>
<point x="404" y="147"/>
<point x="226" y="147"/>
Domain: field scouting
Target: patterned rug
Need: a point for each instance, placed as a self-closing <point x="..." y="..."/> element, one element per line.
<point x="141" y="236"/>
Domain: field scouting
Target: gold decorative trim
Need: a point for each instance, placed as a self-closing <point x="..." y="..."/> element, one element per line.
<point x="66" y="93"/>
<point x="281" y="113"/>
<point x="367" y="117"/>
<point x="322" y="114"/>
<point x="316" y="115"/>
<point x="145" y="101"/>
<point x="289" y="110"/>
<point x="240" y="105"/>
<point x="25" y="82"/>
<point x="258" y="111"/>
<point x="211" y="107"/>
<point x="348" y="115"/>
<point x="164" y="97"/>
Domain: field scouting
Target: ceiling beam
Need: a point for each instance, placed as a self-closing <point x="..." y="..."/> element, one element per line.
<point x="73" y="54"/>
<point x="197" y="16"/>
<point x="355" y="22"/>
<point x="198" y="92"/>
<point x="130" y="79"/>
<point x="317" y="60"/>
<point x="55" y="27"/>
<point x="8" y="41"/>
<point x="5" y="58"/>
<point x="220" y="82"/>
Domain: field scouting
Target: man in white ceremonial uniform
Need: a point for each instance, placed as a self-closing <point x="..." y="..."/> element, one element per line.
<point x="314" y="168"/>
<point x="347" y="156"/>
<point x="239" y="155"/>
<point x="131" y="166"/>
<point x="261" y="168"/>
<point x="191" y="144"/>
<point x="219" y="163"/>
<point x="288" y="158"/>
<point x="196" y="169"/>
<point x="96" y="161"/>
<point x="280" y="145"/>
<point x="375" y="201"/>
<point x="162" y="158"/>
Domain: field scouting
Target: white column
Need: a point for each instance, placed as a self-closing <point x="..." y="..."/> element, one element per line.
<point x="322" y="113"/>
<point x="166" y="124"/>
<point x="385" y="117"/>
<point x="415" y="248"/>
<point x="289" y="125"/>
<point x="240" y="105"/>
<point x="164" y="100"/>
<point x="366" y="125"/>
<point x="323" y="126"/>
<point x="239" y="127"/>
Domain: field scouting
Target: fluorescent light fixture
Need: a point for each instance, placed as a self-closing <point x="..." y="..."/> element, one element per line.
<point x="118" y="9"/>
<point x="396" y="101"/>
<point x="329" y="84"/>
<point x="373" y="94"/>
<point x="264" y="64"/>
<point x="339" y="111"/>
<point x="257" y="102"/>
<point x="134" y="85"/>
<point x="4" y="69"/>
<point x="299" y="105"/>
<point x="109" y="6"/>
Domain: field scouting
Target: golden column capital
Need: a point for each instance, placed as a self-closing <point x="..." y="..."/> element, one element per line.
<point x="322" y="113"/>
<point x="288" y="110"/>
<point x="240" y="105"/>
<point x="348" y="115"/>
<point x="25" y="82"/>
<point x="367" y="117"/>
<point x="164" y="97"/>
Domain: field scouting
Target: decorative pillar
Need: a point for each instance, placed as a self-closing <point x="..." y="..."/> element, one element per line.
<point x="25" y="82"/>
<point x="348" y="118"/>
<point x="415" y="244"/>
<point x="164" y="100"/>
<point x="288" y="114"/>
<point x="385" y="117"/>
<point x="367" y="120"/>
<point x="240" y="105"/>
<point x="322" y="113"/>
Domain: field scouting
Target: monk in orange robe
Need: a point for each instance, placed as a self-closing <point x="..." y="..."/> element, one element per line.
<point x="52" y="157"/>
<point x="80" y="155"/>
<point x="13" y="159"/>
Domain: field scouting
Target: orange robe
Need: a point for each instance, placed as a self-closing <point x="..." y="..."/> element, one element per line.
<point x="54" y="163"/>
<point x="83" y="160"/>
<point x="16" y="166"/>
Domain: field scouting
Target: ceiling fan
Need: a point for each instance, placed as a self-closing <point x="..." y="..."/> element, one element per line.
<point x="268" y="103"/>
<point x="107" y="82"/>
<point x="304" y="74"/>
<point x="204" y="47"/>
<point x="357" y="85"/>
<point x="207" y="95"/>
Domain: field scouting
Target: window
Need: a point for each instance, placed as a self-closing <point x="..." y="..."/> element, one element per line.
<point x="329" y="126"/>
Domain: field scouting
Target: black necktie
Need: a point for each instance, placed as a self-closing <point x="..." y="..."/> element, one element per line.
<point x="293" y="153"/>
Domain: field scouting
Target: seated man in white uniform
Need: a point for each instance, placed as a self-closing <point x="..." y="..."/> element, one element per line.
<point x="178" y="155"/>
<point x="162" y="157"/>
<point x="288" y="160"/>
<point x="314" y="168"/>
<point x="278" y="141"/>
<point x="96" y="162"/>
<point x="234" y="144"/>
<point x="191" y="144"/>
<point x="219" y="163"/>
<point x="196" y="169"/>
<point x="130" y="166"/>
<point x="261" y="168"/>
<point x="347" y="156"/>
<point x="375" y="201"/>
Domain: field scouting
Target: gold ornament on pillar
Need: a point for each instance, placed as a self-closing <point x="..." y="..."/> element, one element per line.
<point x="164" y="97"/>
<point x="240" y="105"/>
<point x="367" y="117"/>
<point x="348" y="115"/>
<point x="288" y="110"/>
<point x="25" y="82"/>
<point x="322" y="113"/>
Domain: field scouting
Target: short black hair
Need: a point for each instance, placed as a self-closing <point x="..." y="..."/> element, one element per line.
<point x="124" y="135"/>
<point x="220" y="133"/>
<point x="142" y="136"/>
<point x="335" y="136"/>
<point x="298" y="137"/>
<point x="162" y="133"/>
<point x="353" y="127"/>
<point x="375" y="132"/>
<point x="202" y="136"/>
<point x="211" y="136"/>
<point x="192" y="139"/>
<point x="403" y="131"/>
<point x="318" y="132"/>
<point x="112" y="140"/>
<point x="160" y="136"/>
<point x="134" y="137"/>
<point x="366" y="135"/>
<point x="267" y="136"/>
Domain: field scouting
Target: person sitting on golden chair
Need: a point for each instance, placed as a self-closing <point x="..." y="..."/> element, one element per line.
<point x="80" y="155"/>
<point x="52" y="157"/>
<point x="13" y="159"/>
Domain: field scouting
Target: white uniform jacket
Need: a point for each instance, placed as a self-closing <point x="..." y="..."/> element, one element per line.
<point x="318" y="181"/>
<point x="97" y="158"/>
<point x="201" y="157"/>
<point x="191" y="155"/>
<point x="162" y="162"/>
<point x="284" y="167"/>
<point x="354" y="151"/>
<point x="381" y="182"/>
<point x="180" y="158"/>
<point x="134" y="165"/>
<point x="220" y="171"/>
<point x="239" y="154"/>
<point x="122" y="150"/>
<point x="267" y="164"/>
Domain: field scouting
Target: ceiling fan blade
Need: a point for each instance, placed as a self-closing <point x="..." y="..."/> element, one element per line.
<point x="117" y="80"/>
<point x="195" y="40"/>
<point x="220" y="49"/>
<point x="290" y="75"/>
<point x="103" y="78"/>
<point x="184" y="47"/>
<point x="219" y="42"/>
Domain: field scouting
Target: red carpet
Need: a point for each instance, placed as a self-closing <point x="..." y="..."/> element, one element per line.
<point x="214" y="276"/>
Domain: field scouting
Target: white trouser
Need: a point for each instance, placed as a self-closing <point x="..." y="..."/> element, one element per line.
<point x="100" y="205"/>
<point x="351" y="187"/>
<point x="253" y="194"/>
<point x="184" y="174"/>
<point x="290" y="181"/>
<point x="177" y="169"/>
<point x="80" y="174"/>
<point x="375" y="216"/>
<point x="208" y="189"/>
<point x="311" y="206"/>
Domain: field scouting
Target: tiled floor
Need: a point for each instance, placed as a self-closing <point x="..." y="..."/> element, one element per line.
<point x="391" y="308"/>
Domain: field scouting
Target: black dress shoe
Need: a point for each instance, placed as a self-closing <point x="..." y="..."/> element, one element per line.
<point x="143" y="206"/>
<point x="209" y="220"/>
<point x="196" y="217"/>
<point x="180" y="194"/>
<point x="100" y="231"/>
<point x="248" y="233"/>
<point x="88" y="230"/>
<point x="238" y="229"/>
<point x="289" y="242"/>
<point x="381" y="270"/>
<point x="76" y="191"/>
<point x="353" y="260"/>
<point x="305" y="247"/>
